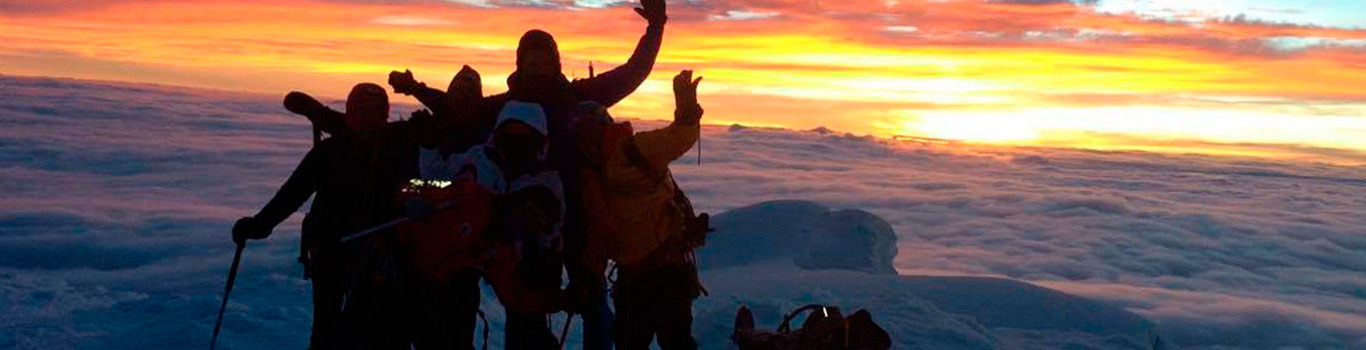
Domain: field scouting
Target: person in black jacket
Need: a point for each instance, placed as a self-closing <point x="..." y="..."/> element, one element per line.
<point x="353" y="177"/>
<point x="439" y="314"/>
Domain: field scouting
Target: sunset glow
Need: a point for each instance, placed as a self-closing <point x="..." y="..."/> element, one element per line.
<point x="1105" y="74"/>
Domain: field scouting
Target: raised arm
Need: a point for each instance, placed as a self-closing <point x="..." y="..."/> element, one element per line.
<point x="404" y="83"/>
<point x="612" y="86"/>
<point x="662" y="146"/>
<point x="322" y="117"/>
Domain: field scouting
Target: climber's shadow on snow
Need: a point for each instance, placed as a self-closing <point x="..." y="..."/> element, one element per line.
<point x="771" y="258"/>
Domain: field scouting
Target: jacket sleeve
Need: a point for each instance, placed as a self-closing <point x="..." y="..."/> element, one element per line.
<point x="662" y="146"/>
<point x="433" y="99"/>
<point x="301" y="185"/>
<point x="612" y="86"/>
<point x="328" y="120"/>
<point x="489" y="107"/>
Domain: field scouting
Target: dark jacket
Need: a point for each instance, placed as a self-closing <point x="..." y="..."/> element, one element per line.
<point x="607" y="89"/>
<point x="355" y="188"/>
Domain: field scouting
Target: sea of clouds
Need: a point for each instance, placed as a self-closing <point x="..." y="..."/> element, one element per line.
<point x="117" y="199"/>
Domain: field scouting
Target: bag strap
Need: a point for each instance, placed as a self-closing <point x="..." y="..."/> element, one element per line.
<point x="637" y="158"/>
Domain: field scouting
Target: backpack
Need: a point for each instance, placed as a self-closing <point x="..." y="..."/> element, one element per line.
<point x="695" y="227"/>
<point x="825" y="328"/>
<point x="527" y="267"/>
<point x="448" y="235"/>
<point x="531" y="219"/>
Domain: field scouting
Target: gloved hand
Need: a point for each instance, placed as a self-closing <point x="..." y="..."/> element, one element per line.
<point x="403" y="82"/>
<point x="687" y="111"/>
<point x="249" y="228"/>
<point x="653" y="11"/>
<point x="303" y="104"/>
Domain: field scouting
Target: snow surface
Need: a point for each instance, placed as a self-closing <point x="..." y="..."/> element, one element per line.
<point x="116" y="201"/>
<point x="920" y="312"/>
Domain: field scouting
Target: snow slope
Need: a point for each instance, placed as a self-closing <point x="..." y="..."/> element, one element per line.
<point x="116" y="200"/>
<point x="921" y="312"/>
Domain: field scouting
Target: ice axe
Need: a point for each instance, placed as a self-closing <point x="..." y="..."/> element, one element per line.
<point x="232" y="277"/>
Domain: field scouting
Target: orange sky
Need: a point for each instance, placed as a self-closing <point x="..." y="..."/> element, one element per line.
<point x="1027" y="72"/>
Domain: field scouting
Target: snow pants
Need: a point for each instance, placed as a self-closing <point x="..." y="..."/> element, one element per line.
<point x="529" y="331"/>
<point x="445" y="316"/>
<point x="656" y="305"/>
<point x="328" y="289"/>
<point x="368" y="318"/>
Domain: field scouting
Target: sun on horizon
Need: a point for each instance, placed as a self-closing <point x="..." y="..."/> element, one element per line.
<point x="1202" y="77"/>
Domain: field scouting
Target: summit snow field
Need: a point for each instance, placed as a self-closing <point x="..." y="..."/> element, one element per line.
<point x="117" y="200"/>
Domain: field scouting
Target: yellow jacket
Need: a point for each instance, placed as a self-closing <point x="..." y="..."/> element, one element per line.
<point x="630" y="207"/>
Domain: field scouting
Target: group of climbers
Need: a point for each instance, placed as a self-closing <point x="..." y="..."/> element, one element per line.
<point x="515" y="189"/>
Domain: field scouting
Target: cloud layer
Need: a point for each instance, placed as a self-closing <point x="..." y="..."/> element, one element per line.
<point x="118" y="201"/>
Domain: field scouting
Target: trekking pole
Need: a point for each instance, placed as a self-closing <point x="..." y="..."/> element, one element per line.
<point x="232" y="277"/>
<point x="564" y="333"/>
<point x="396" y="222"/>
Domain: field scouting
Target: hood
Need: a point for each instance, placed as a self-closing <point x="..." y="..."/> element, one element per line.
<point x="538" y="39"/>
<point x="530" y="114"/>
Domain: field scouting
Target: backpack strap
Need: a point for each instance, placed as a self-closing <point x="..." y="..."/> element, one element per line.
<point x="637" y="158"/>
<point x="695" y="227"/>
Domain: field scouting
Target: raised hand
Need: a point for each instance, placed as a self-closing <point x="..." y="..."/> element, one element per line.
<point x="653" y="11"/>
<point x="303" y="104"/>
<point x="403" y="82"/>
<point x="688" y="111"/>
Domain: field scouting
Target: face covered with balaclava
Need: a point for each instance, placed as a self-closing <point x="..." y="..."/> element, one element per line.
<point x="520" y="145"/>
<point x="465" y="90"/>
<point x="463" y="96"/>
<point x="597" y="134"/>
<point x="520" y="137"/>
<point x="538" y="55"/>
<point x="367" y="110"/>
<point x="538" y="77"/>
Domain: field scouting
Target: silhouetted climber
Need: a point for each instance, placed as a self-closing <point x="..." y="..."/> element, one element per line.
<point x="460" y="113"/>
<point x="440" y="313"/>
<point x="449" y="307"/>
<point x="527" y="262"/>
<point x="539" y="78"/>
<point x="638" y="217"/>
<point x="353" y="177"/>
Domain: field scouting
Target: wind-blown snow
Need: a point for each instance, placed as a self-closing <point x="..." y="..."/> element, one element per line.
<point x="117" y="200"/>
